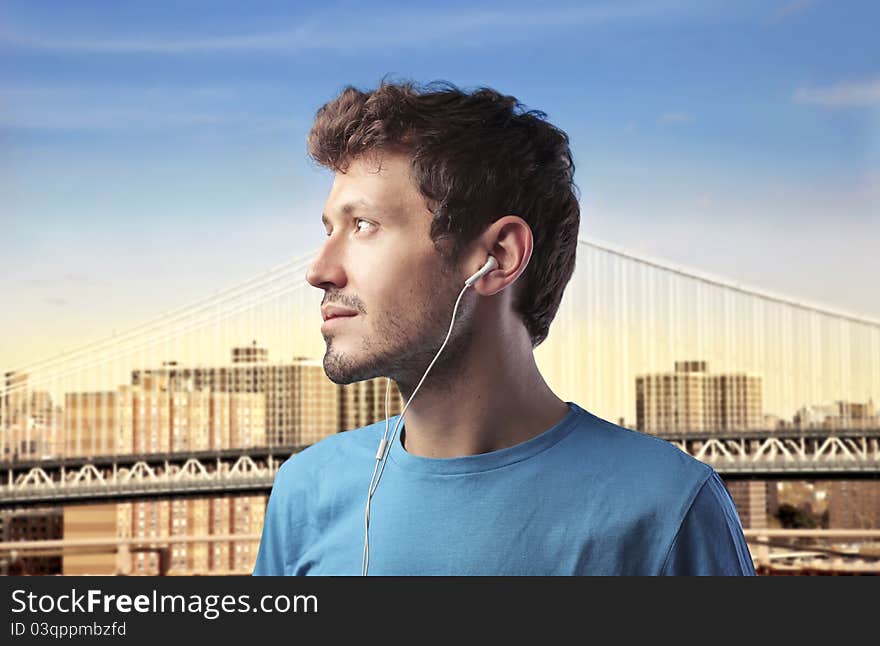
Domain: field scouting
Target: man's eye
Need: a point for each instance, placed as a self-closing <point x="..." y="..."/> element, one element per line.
<point x="359" y="220"/>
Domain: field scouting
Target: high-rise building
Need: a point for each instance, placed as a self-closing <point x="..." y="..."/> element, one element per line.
<point x="29" y="425"/>
<point x="838" y="415"/>
<point x="82" y="522"/>
<point x="751" y="500"/>
<point x="671" y="402"/>
<point x="734" y="402"/>
<point x="219" y="517"/>
<point x="313" y="403"/>
<point x="91" y="424"/>
<point x="302" y="405"/>
<point x="250" y="354"/>
<point x="153" y="419"/>
<point x="13" y="414"/>
<point x="691" y="399"/>
<point x="854" y="504"/>
<point x="237" y="420"/>
<point x="191" y="517"/>
<point x="248" y="513"/>
<point x="30" y="525"/>
<point x="149" y="519"/>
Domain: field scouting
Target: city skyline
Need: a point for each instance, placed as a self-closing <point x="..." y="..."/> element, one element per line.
<point x="188" y="421"/>
<point x="251" y="401"/>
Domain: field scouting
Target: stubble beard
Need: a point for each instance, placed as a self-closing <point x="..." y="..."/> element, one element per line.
<point x="401" y="345"/>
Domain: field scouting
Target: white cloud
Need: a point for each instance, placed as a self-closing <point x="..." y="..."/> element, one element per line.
<point x="847" y="94"/>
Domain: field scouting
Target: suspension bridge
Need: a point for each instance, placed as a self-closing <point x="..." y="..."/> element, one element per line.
<point x="210" y="398"/>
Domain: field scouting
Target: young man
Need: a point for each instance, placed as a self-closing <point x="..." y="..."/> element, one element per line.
<point x="491" y="473"/>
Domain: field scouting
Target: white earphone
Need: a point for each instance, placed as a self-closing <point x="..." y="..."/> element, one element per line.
<point x="384" y="445"/>
<point x="485" y="269"/>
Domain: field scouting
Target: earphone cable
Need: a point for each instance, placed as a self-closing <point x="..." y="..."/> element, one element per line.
<point x="365" y="561"/>
<point x="385" y="446"/>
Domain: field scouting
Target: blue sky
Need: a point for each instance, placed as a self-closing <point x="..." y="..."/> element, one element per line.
<point x="152" y="153"/>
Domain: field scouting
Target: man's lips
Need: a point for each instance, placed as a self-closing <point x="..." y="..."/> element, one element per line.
<point x="329" y="312"/>
<point x="334" y="321"/>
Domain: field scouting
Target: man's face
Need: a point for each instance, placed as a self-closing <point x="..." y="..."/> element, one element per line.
<point x="379" y="261"/>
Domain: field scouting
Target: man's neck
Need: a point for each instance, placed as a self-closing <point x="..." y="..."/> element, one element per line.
<point x="484" y="410"/>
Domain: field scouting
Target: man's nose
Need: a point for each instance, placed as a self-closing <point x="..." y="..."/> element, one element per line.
<point x="326" y="269"/>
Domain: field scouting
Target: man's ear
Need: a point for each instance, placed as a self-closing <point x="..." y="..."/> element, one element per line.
<point x="509" y="240"/>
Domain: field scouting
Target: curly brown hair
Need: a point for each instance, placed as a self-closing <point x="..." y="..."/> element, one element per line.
<point x="475" y="157"/>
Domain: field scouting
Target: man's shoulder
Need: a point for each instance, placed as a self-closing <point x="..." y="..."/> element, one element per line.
<point x="648" y="477"/>
<point x="334" y="451"/>
<point x="630" y="453"/>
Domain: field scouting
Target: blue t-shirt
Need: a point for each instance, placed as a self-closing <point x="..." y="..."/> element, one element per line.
<point x="585" y="497"/>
